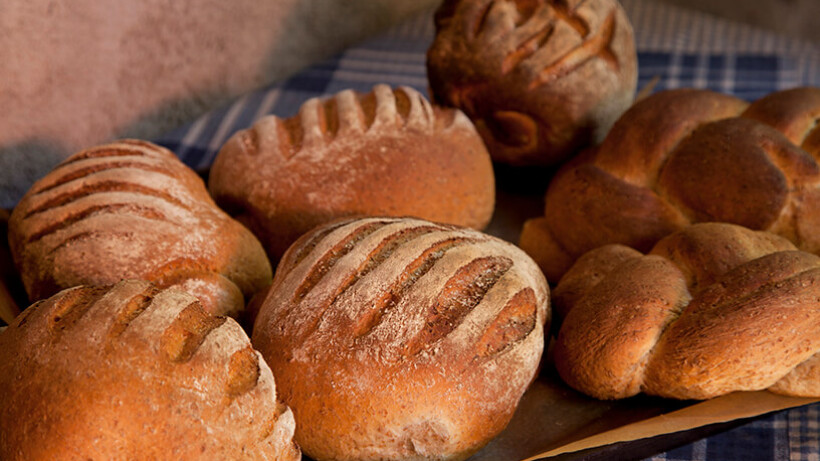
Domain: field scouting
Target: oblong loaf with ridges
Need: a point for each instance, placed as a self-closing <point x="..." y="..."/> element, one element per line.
<point x="712" y="309"/>
<point x="132" y="210"/>
<point x="418" y="338"/>
<point x="135" y="372"/>
<point x="387" y="152"/>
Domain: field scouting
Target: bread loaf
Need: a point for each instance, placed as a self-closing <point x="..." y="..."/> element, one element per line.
<point x="402" y="339"/>
<point x="8" y="307"/>
<point x="388" y="152"/>
<point x="681" y="157"/>
<point x="540" y="79"/>
<point x="712" y="309"/>
<point x="134" y="372"/>
<point x="132" y="210"/>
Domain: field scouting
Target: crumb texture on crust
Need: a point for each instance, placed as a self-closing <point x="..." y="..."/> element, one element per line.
<point x="132" y="210"/>
<point x="386" y="152"/>
<point x="540" y="79"/>
<point x="418" y="338"/>
<point x="687" y="156"/>
<point x="712" y="309"/>
<point x="133" y="371"/>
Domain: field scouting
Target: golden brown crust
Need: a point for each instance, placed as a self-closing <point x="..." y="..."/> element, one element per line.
<point x="387" y="152"/>
<point x="540" y="79"/>
<point x="402" y="339"/>
<point x="713" y="309"/>
<point x="131" y="209"/>
<point x="135" y="372"/>
<point x="686" y="156"/>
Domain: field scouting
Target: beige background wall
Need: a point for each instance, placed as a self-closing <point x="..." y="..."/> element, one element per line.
<point x="76" y="73"/>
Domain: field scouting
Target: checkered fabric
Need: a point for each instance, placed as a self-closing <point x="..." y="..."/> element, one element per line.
<point x="676" y="48"/>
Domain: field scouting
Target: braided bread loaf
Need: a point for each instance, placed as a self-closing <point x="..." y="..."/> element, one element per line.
<point x="402" y="339"/>
<point x="540" y="79"/>
<point x="712" y="309"/>
<point x="132" y="210"/>
<point x="139" y="373"/>
<point x="686" y="156"/>
<point x="388" y="152"/>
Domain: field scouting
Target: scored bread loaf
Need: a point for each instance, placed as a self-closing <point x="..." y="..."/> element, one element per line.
<point x="135" y="372"/>
<point x="712" y="309"/>
<point x="402" y="339"/>
<point x="540" y="79"/>
<point x="132" y="210"/>
<point x="387" y="152"/>
<point x="686" y="156"/>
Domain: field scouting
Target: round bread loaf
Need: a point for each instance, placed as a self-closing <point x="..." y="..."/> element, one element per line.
<point x="132" y="210"/>
<point x="139" y="373"/>
<point x="540" y="79"/>
<point x="402" y="339"/>
<point x="686" y="156"/>
<point x="388" y="152"/>
<point x="712" y="309"/>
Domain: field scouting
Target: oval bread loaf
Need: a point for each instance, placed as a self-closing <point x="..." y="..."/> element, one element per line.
<point x="135" y="372"/>
<point x="388" y="152"/>
<point x="712" y="309"/>
<point x="681" y="157"/>
<point x="540" y="79"/>
<point x="402" y="339"/>
<point x="132" y="210"/>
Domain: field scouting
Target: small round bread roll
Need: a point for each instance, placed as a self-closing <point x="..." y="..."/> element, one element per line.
<point x="387" y="152"/>
<point x="133" y="372"/>
<point x="539" y="78"/>
<point x="132" y="210"/>
<point x="402" y="339"/>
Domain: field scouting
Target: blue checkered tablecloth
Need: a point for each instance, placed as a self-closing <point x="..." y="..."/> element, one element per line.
<point x="677" y="48"/>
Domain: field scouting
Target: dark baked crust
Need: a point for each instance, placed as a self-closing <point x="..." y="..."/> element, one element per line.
<point x="132" y="210"/>
<point x="139" y="373"/>
<point x="540" y="79"/>
<point x="712" y="309"/>
<point x="687" y="156"/>
<point x="402" y="339"/>
<point x="387" y="152"/>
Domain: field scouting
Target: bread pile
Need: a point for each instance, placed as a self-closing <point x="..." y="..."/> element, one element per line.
<point x="394" y="328"/>
<point x="681" y="157"/>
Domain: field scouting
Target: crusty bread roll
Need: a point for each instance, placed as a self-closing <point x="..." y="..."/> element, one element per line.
<point x="686" y="156"/>
<point x="402" y="339"/>
<point x="388" y="152"/>
<point x="540" y="79"/>
<point x="132" y="210"/>
<point x="134" y="372"/>
<point x="8" y="307"/>
<point x="712" y="309"/>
